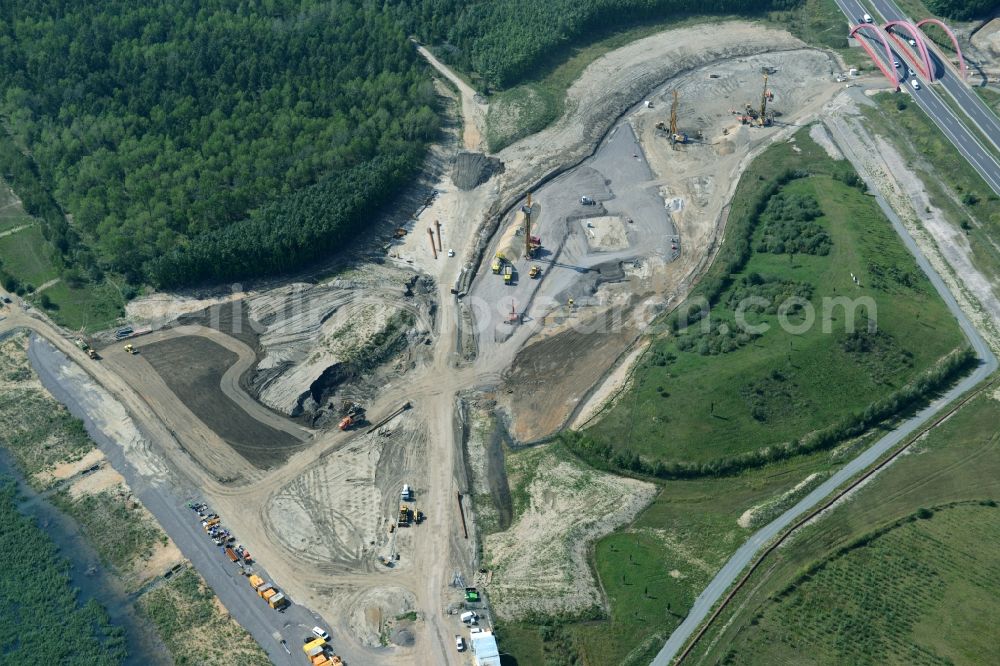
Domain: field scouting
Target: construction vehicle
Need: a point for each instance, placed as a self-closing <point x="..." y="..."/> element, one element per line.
<point x="675" y="135"/>
<point x="209" y="524"/>
<point x="231" y="554"/>
<point x="404" y="516"/>
<point x="534" y="272"/>
<point x="353" y="413"/>
<point x="130" y="349"/>
<point x="764" y="120"/>
<point x="497" y="265"/>
<point x="508" y="274"/>
<point x="90" y="351"/>
<point x="419" y="517"/>
<point x="277" y="600"/>
<point x="266" y="591"/>
<point x="314" y="647"/>
<point x="256" y="581"/>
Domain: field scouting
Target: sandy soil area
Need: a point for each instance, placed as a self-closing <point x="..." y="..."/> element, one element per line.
<point x="540" y="564"/>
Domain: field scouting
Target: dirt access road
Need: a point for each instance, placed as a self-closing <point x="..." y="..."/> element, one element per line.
<point x="473" y="111"/>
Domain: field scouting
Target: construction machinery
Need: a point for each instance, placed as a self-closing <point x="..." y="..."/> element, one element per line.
<point x="675" y="135"/>
<point x="508" y="274"/>
<point x="353" y="413"/>
<point x="534" y="272"/>
<point x="130" y="349"/>
<point x="419" y="518"/>
<point x="90" y="351"/>
<point x="404" y="516"/>
<point x="497" y="265"/>
<point x="763" y="119"/>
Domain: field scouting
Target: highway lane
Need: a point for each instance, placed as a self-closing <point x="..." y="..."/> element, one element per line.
<point x="740" y="560"/>
<point x="973" y="106"/>
<point x="927" y="99"/>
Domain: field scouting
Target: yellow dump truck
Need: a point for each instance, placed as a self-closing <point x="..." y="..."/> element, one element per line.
<point x="277" y="601"/>
<point x="314" y="647"/>
<point x="508" y="274"/>
<point x="256" y="581"/>
<point x="497" y="264"/>
<point x="265" y="591"/>
<point x="534" y="272"/>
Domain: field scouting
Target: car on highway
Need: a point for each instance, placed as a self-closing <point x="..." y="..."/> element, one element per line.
<point x="915" y="84"/>
<point x="319" y="632"/>
<point x="911" y="41"/>
<point x="895" y="63"/>
<point x="867" y="18"/>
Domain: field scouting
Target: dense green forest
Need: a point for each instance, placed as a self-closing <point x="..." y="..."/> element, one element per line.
<point x="158" y="124"/>
<point x="41" y="618"/>
<point x="962" y="9"/>
<point x="199" y="140"/>
<point x="505" y="40"/>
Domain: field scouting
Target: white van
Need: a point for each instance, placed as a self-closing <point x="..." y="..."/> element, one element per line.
<point x="867" y="18"/>
<point x="468" y="617"/>
<point x="407" y="494"/>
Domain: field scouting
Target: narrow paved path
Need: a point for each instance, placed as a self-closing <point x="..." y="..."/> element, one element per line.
<point x="740" y="560"/>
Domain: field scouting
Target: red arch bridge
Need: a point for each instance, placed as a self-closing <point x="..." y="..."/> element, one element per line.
<point x="891" y="31"/>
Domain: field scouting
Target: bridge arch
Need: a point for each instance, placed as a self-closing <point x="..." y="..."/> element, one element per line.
<point x="918" y="37"/>
<point x="954" y="41"/>
<point x="887" y="69"/>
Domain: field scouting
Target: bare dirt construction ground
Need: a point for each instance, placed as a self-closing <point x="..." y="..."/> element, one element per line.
<point x="643" y="277"/>
<point x="198" y="384"/>
<point x="540" y="565"/>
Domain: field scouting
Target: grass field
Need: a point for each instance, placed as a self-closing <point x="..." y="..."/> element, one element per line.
<point x="120" y="532"/>
<point x="929" y="520"/>
<point x="701" y="396"/>
<point x="37" y="431"/>
<point x="923" y="593"/>
<point x="25" y="255"/>
<point x="652" y="569"/>
<point x="953" y="185"/>
<point x="190" y="621"/>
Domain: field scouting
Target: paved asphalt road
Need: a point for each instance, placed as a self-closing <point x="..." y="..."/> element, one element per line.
<point x="167" y="504"/>
<point x="971" y="103"/>
<point x="744" y="556"/>
<point x="942" y="115"/>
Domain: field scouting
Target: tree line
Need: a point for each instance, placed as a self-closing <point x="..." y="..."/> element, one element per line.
<point x="504" y="41"/>
<point x="963" y="10"/>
